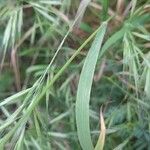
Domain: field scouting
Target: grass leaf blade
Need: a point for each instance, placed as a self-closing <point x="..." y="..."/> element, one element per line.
<point x="84" y="89"/>
<point x="112" y="40"/>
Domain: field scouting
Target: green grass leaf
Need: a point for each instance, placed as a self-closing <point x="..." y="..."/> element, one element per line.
<point x="112" y="40"/>
<point x="12" y="98"/>
<point x="84" y="89"/>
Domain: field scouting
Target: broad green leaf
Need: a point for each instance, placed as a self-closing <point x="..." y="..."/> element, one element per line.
<point x="84" y="90"/>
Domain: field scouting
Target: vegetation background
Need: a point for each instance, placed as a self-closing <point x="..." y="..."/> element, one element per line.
<point x="75" y="74"/>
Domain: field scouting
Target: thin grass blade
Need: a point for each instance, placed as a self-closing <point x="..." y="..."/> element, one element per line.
<point x="112" y="40"/>
<point x="80" y="13"/>
<point x="101" y="139"/>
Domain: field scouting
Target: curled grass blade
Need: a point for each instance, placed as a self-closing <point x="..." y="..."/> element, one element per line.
<point x="101" y="139"/>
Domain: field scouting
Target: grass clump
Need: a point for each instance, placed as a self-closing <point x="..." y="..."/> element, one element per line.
<point x="46" y="103"/>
